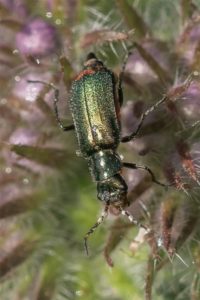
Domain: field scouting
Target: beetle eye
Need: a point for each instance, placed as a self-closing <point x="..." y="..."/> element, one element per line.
<point x="99" y="62"/>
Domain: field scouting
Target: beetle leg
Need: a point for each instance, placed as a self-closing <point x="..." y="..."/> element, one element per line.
<point x="120" y="91"/>
<point x="153" y="177"/>
<point x="132" y="219"/>
<point x="128" y="138"/>
<point x="94" y="227"/>
<point x="174" y="93"/>
<point x="56" y="99"/>
<point x="121" y="75"/>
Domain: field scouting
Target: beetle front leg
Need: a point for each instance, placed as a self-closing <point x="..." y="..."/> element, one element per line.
<point x="56" y="99"/>
<point x="121" y="75"/>
<point x="153" y="177"/>
<point x="174" y="93"/>
<point x="130" y="137"/>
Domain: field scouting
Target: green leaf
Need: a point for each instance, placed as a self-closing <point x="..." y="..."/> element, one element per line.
<point x="51" y="157"/>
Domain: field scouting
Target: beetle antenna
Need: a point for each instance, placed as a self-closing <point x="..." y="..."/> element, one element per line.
<point x="132" y="219"/>
<point x="94" y="227"/>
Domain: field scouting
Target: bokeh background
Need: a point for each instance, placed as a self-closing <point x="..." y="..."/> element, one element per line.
<point x="47" y="198"/>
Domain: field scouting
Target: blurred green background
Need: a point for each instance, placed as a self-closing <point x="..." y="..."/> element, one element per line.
<point x="48" y="200"/>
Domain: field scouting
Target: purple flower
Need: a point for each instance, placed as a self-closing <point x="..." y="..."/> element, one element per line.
<point x="29" y="91"/>
<point x="17" y="6"/>
<point x="138" y="68"/>
<point x="189" y="107"/>
<point x="37" y="38"/>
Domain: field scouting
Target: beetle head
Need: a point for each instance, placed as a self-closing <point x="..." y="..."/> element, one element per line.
<point x="113" y="191"/>
<point x="92" y="62"/>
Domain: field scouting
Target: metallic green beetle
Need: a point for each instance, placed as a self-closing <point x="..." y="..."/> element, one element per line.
<point x="95" y="106"/>
<point x="95" y="100"/>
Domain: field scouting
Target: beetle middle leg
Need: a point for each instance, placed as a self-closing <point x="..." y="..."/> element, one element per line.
<point x="153" y="177"/>
<point x="56" y="99"/>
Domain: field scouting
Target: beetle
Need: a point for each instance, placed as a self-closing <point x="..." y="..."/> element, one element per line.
<point x="95" y="100"/>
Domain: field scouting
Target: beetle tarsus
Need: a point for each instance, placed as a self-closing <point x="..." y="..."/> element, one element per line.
<point x="86" y="245"/>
